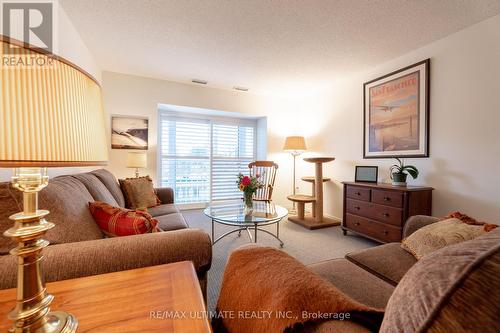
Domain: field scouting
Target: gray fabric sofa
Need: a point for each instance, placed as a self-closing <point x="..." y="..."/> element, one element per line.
<point x="78" y="247"/>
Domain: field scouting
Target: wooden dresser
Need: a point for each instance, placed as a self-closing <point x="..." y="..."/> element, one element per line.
<point x="379" y="211"/>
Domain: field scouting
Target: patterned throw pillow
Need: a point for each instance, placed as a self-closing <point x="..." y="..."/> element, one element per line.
<point x="437" y="235"/>
<point x="117" y="221"/>
<point x="139" y="193"/>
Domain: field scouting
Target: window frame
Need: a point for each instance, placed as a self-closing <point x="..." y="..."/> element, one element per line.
<point x="211" y="120"/>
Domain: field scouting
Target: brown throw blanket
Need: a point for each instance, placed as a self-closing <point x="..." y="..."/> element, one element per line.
<point x="469" y="220"/>
<point x="266" y="290"/>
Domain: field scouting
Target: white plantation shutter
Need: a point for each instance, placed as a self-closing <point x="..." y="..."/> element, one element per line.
<point x="232" y="149"/>
<point x="185" y="158"/>
<point x="201" y="158"/>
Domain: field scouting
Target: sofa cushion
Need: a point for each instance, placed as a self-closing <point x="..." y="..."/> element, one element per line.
<point x="165" y="194"/>
<point x="173" y="221"/>
<point x="454" y="289"/>
<point x="117" y="221"/>
<point x="10" y="203"/>
<point x="438" y="235"/>
<point x="67" y="200"/>
<point x="139" y="192"/>
<point x="388" y="261"/>
<point x="111" y="183"/>
<point x="355" y="282"/>
<point x="163" y="210"/>
<point x="96" y="188"/>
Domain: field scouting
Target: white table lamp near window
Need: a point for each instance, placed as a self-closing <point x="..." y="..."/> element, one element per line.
<point x="49" y="117"/>
<point x="295" y="145"/>
<point x="136" y="160"/>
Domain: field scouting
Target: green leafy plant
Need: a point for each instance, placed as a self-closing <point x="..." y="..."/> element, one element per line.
<point x="401" y="168"/>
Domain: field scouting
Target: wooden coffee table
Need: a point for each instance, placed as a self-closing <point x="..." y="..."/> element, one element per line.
<point x="165" y="298"/>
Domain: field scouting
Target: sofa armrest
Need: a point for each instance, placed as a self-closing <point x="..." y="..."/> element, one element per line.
<point x="416" y="222"/>
<point x="74" y="260"/>
<point x="165" y="194"/>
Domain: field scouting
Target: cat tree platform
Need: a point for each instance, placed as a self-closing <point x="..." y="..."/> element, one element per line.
<point x="316" y="220"/>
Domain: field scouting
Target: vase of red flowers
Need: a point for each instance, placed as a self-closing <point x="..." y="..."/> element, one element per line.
<point x="248" y="185"/>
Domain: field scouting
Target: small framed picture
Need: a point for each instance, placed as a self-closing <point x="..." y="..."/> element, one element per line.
<point x="129" y="132"/>
<point x="367" y="174"/>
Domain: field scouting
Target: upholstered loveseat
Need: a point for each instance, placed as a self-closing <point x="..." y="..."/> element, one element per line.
<point x="78" y="247"/>
<point x="454" y="289"/>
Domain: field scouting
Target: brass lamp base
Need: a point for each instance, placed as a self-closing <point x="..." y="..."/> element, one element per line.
<point x="56" y="322"/>
<point x="32" y="313"/>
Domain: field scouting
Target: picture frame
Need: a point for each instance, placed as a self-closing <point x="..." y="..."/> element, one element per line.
<point x="129" y="132"/>
<point x="396" y="113"/>
<point x="366" y="174"/>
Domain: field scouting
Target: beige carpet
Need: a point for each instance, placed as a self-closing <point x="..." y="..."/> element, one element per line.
<point x="308" y="246"/>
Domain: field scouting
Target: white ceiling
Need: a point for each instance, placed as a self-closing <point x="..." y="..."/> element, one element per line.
<point x="265" y="45"/>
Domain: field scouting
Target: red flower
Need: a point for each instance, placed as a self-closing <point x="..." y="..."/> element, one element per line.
<point x="246" y="180"/>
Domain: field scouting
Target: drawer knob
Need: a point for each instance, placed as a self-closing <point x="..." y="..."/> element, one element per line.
<point x="358" y="193"/>
<point x="387" y="199"/>
<point x="357" y="208"/>
<point x="386" y="232"/>
<point x="356" y="223"/>
<point x="385" y="214"/>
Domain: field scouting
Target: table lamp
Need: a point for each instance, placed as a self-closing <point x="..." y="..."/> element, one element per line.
<point x="51" y="116"/>
<point x="136" y="160"/>
<point x="295" y="145"/>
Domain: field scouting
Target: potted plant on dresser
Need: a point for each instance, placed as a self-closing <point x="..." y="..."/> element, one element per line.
<point x="400" y="171"/>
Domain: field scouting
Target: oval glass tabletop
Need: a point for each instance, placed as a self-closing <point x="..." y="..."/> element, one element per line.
<point x="234" y="213"/>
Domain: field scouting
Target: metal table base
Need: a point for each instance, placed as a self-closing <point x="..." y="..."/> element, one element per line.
<point x="254" y="228"/>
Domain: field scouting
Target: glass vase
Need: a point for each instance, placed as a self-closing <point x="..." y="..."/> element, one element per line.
<point x="248" y="200"/>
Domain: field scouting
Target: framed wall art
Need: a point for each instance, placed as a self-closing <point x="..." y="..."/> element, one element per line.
<point x="396" y="113"/>
<point x="129" y="132"/>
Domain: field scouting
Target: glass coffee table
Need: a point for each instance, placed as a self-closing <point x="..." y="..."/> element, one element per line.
<point x="233" y="214"/>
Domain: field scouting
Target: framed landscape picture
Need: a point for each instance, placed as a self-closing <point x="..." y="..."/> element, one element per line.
<point x="129" y="132"/>
<point x="396" y="113"/>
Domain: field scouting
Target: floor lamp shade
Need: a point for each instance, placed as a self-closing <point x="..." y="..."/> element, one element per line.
<point x="50" y="115"/>
<point x="295" y="143"/>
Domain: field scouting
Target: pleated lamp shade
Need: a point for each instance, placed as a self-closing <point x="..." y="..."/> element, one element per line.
<point x="136" y="160"/>
<point x="295" y="143"/>
<point x="51" y="115"/>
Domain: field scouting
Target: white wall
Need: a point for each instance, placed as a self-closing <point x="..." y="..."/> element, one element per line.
<point x="68" y="43"/>
<point x="464" y="161"/>
<point x="72" y="48"/>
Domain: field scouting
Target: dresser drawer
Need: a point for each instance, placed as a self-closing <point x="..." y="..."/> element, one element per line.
<point x="380" y="231"/>
<point x="385" y="214"/>
<point x="358" y="207"/>
<point x="389" y="198"/>
<point x="358" y="193"/>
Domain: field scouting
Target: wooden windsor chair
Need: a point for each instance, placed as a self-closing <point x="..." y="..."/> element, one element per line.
<point x="266" y="172"/>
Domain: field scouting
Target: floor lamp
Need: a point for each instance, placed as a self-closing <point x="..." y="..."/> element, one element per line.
<point x="51" y="117"/>
<point x="294" y="145"/>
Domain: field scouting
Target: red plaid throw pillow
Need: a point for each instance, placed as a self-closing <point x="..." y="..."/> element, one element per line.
<point x="116" y="221"/>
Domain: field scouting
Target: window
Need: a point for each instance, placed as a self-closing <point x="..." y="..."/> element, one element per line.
<point x="200" y="157"/>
